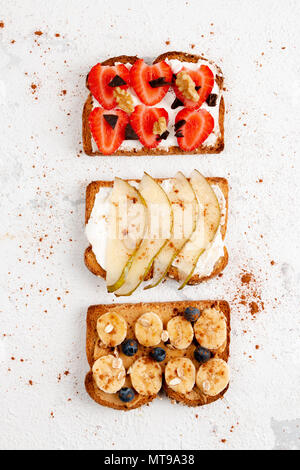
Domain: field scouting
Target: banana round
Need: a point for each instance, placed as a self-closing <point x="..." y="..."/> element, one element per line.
<point x="211" y="329"/>
<point x="109" y="373"/>
<point x="112" y="329"/>
<point x="146" y="376"/>
<point x="180" y="332"/>
<point x="180" y="374"/>
<point x="213" y="377"/>
<point x="148" y="329"/>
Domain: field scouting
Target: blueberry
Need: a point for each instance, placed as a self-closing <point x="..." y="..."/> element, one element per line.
<point x="191" y="314"/>
<point x="202" y="355"/>
<point x="126" y="394"/>
<point x="158" y="354"/>
<point x="130" y="347"/>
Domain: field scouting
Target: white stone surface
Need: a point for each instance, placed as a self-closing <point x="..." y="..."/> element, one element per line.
<point x="45" y="287"/>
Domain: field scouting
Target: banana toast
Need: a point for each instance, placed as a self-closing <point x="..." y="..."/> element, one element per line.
<point x="125" y="132"/>
<point x="166" y="355"/>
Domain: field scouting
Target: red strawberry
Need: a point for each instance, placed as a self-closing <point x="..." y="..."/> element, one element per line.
<point x="202" y="77"/>
<point x="195" y="128"/>
<point x="108" y="136"/>
<point x="98" y="82"/>
<point x="142" y="120"/>
<point x="140" y="76"/>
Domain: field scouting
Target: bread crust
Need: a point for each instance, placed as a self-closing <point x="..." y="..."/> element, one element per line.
<point x="90" y="258"/>
<point x="131" y="312"/>
<point x="173" y="150"/>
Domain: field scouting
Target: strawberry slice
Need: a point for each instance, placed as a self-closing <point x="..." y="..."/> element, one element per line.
<point x="99" y="79"/>
<point x="142" y="120"/>
<point x="140" y="76"/>
<point x="192" y="128"/>
<point x="108" y="132"/>
<point x="203" y="78"/>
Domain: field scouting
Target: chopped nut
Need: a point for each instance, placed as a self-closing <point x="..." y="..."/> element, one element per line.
<point x="180" y="372"/>
<point x="117" y="363"/>
<point x="160" y="126"/>
<point x="164" y="336"/>
<point x="116" y="352"/>
<point x="124" y="99"/>
<point x="187" y="86"/>
<point x="108" y="328"/>
<point x="175" y="381"/>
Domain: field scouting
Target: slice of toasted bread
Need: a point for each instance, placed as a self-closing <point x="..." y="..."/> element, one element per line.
<point x="87" y="139"/>
<point x="89" y="256"/>
<point x="131" y="312"/>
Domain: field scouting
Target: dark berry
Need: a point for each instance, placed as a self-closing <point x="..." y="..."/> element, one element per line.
<point x="130" y="347"/>
<point x="126" y="394"/>
<point x="158" y="354"/>
<point x="202" y="355"/>
<point x="191" y="314"/>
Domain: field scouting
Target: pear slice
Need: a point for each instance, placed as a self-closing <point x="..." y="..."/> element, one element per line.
<point x="209" y="217"/>
<point x="158" y="232"/>
<point x="185" y="211"/>
<point x="126" y="228"/>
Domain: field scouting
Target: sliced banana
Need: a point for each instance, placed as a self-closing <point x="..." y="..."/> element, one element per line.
<point x="181" y="332"/>
<point x="211" y="329"/>
<point x="180" y="374"/>
<point x="109" y="373"/>
<point x="146" y="376"/>
<point x="213" y="377"/>
<point x="148" y="329"/>
<point x="112" y="329"/>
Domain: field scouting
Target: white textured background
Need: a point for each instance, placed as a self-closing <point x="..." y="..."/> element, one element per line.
<point x="45" y="287"/>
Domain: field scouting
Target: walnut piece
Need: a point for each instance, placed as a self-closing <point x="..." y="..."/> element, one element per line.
<point x="124" y="99"/>
<point x="160" y="126"/>
<point x="187" y="86"/>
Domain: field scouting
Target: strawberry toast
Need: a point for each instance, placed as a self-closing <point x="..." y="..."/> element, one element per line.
<point x="174" y="106"/>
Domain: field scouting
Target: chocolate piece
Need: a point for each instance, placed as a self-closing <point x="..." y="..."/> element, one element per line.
<point x="158" y="82"/>
<point x="129" y="133"/>
<point x="111" y="119"/>
<point x="117" y="81"/>
<point x="163" y="136"/>
<point x="179" y="124"/>
<point x="176" y="103"/>
<point x="197" y="87"/>
<point x="212" y="99"/>
<point x="179" y="134"/>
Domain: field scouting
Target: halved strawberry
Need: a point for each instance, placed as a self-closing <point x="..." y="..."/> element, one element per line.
<point x="140" y="76"/>
<point x="107" y="132"/>
<point x="142" y="120"/>
<point x="203" y="78"/>
<point x="99" y="79"/>
<point x="192" y="128"/>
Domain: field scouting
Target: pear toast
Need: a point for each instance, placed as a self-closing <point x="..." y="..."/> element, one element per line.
<point x="212" y="105"/>
<point x="90" y="258"/>
<point x="189" y="388"/>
